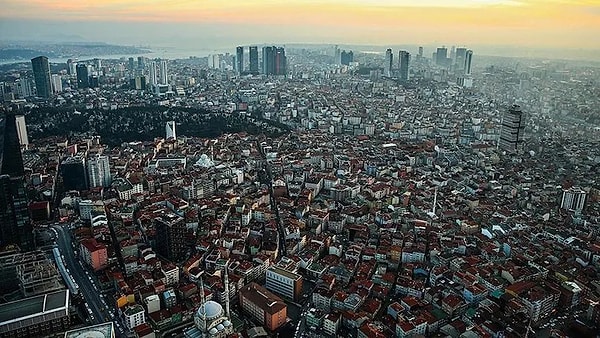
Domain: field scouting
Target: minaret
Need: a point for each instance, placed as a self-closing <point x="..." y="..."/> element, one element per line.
<point x="203" y="301"/>
<point x="227" y="289"/>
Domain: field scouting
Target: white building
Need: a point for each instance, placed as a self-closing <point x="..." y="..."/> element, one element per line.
<point x="99" y="171"/>
<point x="152" y="74"/>
<point x="170" y="130"/>
<point x="284" y="283"/>
<point x="56" y="82"/>
<point x="164" y="76"/>
<point x="152" y="303"/>
<point x="22" y="130"/>
<point x="573" y="199"/>
<point x="134" y="316"/>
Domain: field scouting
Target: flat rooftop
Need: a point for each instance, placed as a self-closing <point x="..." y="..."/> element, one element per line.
<point x="104" y="330"/>
<point x="33" y="306"/>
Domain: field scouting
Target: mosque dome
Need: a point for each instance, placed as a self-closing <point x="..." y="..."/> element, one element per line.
<point x="211" y="309"/>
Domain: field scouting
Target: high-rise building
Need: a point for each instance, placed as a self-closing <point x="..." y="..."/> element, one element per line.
<point x="83" y="76"/>
<point x="56" y="83"/>
<point x="98" y="168"/>
<point x="468" y="59"/>
<point x="511" y="133"/>
<point x="404" y="59"/>
<point x="71" y="66"/>
<point x="253" y="59"/>
<point x="131" y="65"/>
<point x="164" y="76"/>
<point x="441" y="56"/>
<point x="460" y="55"/>
<point x="170" y="130"/>
<point x="22" y="130"/>
<point x="420" y="52"/>
<point x="346" y="57"/>
<point x="152" y="74"/>
<point x="141" y="62"/>
<point x="171" y="236"/>
<point x="41" y="74"/>
<point x="389" y="61"/>
<point x="15" y="224"/>
<point x="73" y="173"/>
<point x="239" y="59"/>
<point x="280" y="61"/>
<point x="274" y="61"/>
<point x="267" y="60"/>
<point x="573" y="199"/>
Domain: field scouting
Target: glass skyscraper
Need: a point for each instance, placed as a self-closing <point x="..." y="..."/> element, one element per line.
<point x="15" y="224"/>
<point x="41" y="74"/>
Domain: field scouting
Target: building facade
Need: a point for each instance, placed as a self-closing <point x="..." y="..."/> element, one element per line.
<point x="263" y="306"/>
<point x="41" y="74"/>
<point x="284" y="283"/>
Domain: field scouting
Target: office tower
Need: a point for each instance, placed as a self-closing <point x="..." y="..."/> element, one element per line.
<point x="138" y="83"/>
<point x="73" y="173"/>
<point x="71" y="64"/>
<point x="56" y="83"/>
<point x="511" y="133"/>
<point x="347" y="57"/>
<point x="420" y="52"/>
<point x="22" y="130"/>
<point x="274" y="61"/>
<point x="15" y="224"/>
<point x="267" y="60"/>
<point x="460" y="55"/>
<point x="152" y="75"/>
<point x="573" y="199"/>
<point x="23" y="88"/>
<point x="387" y="66"/>
<point x="164" y="77"/>
<point x="83" y="76"/>
<point x="452" y="52"/>
<point x="97" y="64"/>
<point x="280" y="61"/>
<point x="131" y="64"/>
<point x="253" y="59"/>
<point x="41" y="74"/>
<point x="440" y="56"/>
<point x="404" y="57"/>
<point x="171" y="235"/>
<point x="468" y="59"/>
<point x="170" y="130"/>
<point x="141" y="62"/>
<point x="99" y="171"/>
<point x="239" y="59"/>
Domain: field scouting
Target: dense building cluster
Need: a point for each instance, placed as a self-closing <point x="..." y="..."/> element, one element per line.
<point x="431" y="201"/>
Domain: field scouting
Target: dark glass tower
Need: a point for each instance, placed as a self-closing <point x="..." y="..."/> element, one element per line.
<point x="404" y="59"/>
<point x="15" y="224"/>
<point x="253" y="59"/>
<point x="511" y="132"/>
<point x="239" y="59"/>
<point x="41" y="74"/>
<point x="83" y="76"/>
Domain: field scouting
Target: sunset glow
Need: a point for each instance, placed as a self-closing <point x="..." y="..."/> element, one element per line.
<point x="521" y="22"/>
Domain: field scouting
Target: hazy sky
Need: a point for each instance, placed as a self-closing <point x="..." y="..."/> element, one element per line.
<point x="532" y="23"/>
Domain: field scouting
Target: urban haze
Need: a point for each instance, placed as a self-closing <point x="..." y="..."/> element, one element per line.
<point x="323" y="168"/>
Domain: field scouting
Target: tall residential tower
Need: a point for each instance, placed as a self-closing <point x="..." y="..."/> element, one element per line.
<point x="511" y="132"/>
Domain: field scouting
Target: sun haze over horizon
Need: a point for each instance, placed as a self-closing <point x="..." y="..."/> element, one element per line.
<point x="525" y="23"/>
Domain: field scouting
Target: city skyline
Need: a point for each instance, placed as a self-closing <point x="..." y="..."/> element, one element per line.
<point x="525" y="23"/>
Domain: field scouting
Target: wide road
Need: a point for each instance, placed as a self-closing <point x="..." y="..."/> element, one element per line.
<point x="281" y="247"/>
<point x="90" y="293"/>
